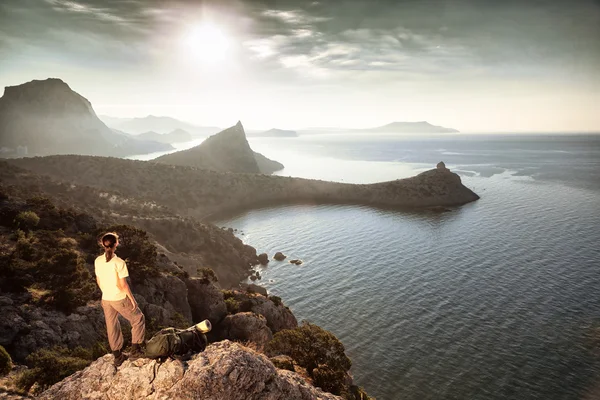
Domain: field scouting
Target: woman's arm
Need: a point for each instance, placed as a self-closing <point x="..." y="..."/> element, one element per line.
<point x="123" y="285"/>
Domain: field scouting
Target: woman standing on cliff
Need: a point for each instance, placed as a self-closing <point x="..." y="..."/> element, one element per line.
<point x="111" y="274"/>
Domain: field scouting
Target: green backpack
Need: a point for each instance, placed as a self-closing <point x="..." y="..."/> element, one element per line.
<point x="170" y="342"/>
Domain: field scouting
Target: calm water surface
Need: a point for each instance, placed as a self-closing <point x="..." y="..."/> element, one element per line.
<point x="498" y="299"/>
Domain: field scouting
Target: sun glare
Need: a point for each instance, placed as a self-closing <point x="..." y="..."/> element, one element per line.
<point x="207" y="43"/>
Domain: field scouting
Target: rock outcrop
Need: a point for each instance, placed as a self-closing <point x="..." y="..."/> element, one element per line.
<point x="279" y="256"/>
<point x="277" y="315"/>
<point x="169" y="293"/>
<point x="205" y="194"/>
<point x="266" y="165"/>
<point x="245" y="327"/>
<point x="263" y="258"/>
<point x="223" y="371"/>
<point x="25" y="329"/>
<point x="206" y="301"/>
<point x="47" y="117"/>
<point x="227" y="151"/>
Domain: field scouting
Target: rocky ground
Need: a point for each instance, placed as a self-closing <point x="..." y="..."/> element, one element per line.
<point x="224" y="371"/>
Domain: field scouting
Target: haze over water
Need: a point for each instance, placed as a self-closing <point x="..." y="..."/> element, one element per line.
<point x="497" y="299"/>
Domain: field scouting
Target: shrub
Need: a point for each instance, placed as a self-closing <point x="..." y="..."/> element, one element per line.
<point x="27" y="220"/>
<point x="276" y="300"/>
<point x="328" y="379"/>
<point x="48" y="366"/>
<point x="232" y="305"/>
<point x="317" y="350"/>
<point x="5" y="362"/>
<point x="207" y="274"/>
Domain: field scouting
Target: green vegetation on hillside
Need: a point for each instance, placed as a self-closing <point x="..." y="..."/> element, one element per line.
<point x="5" y="361"/>
<point x="49" y="366"/>
<point x="321" y="353"/>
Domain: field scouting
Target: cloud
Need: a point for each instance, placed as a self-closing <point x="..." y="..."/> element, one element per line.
<point x="95" y="12"/>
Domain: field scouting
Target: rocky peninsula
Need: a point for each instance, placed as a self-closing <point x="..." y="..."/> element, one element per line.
<point x="202" y="194"/>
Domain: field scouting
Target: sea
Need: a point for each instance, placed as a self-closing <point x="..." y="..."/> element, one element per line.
<point x="496" y="299"/>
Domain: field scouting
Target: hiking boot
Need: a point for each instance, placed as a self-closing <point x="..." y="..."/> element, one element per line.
<point x="136" y="352"/>
<point x="119" y="357"/>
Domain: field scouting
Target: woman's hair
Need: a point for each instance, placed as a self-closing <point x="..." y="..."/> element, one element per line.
<point x="108" y="241"/>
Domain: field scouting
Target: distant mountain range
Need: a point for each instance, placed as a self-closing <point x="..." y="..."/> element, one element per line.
<point x="44" y="117"/>
<point x="275" y="133"/>
<point x="176" y="136"/>
<point x="161" y="125"/>
<point x="227" y="151"/>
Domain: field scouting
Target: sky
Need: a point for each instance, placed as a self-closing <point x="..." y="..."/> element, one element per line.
<point x="473" y="65"/>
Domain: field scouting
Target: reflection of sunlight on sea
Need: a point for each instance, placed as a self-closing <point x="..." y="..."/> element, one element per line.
<point x="333" y="169"/>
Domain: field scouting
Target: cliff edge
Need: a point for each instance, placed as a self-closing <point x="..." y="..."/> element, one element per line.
<point x="224" y="371"/>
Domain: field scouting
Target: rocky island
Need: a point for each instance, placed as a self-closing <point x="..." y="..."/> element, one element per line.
<point x="410" y="127"/>
<point x="277" y="133"/>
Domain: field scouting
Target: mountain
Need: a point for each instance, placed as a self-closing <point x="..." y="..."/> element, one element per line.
<point x="45" y="117"/>
<point x="176" y="136"/>
<point x="275" y="133"/>
<point x="409" y="127"/>
<point x="156" y="124"/>
<point x="227" y="151"/>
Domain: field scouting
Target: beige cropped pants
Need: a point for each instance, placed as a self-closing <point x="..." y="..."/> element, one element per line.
<point x="112" y="309"/>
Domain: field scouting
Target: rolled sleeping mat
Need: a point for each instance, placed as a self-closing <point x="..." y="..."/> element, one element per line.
<point x="204" y="326"/>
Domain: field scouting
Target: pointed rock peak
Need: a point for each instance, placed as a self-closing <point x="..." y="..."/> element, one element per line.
<point x="237" y="130"/>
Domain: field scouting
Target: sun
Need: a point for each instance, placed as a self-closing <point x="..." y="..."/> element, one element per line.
<point x="207" y="43"/>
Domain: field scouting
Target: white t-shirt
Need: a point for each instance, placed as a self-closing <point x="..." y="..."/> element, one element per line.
<point x="108" y="274"/>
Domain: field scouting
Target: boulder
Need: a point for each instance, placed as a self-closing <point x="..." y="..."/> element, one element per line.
<point x="166" y="291"/>
<point x="277" y="315"/>
<point x="279" y="256"/>
<point x="224" y="371"/>
<point x="252" y="288"/>
<point x="263" y="259"/>
<point x="206" y="301"/>
<point x="441" y="166"/>
<point x="297" y="262"/>
<point x="246" y="326"/>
